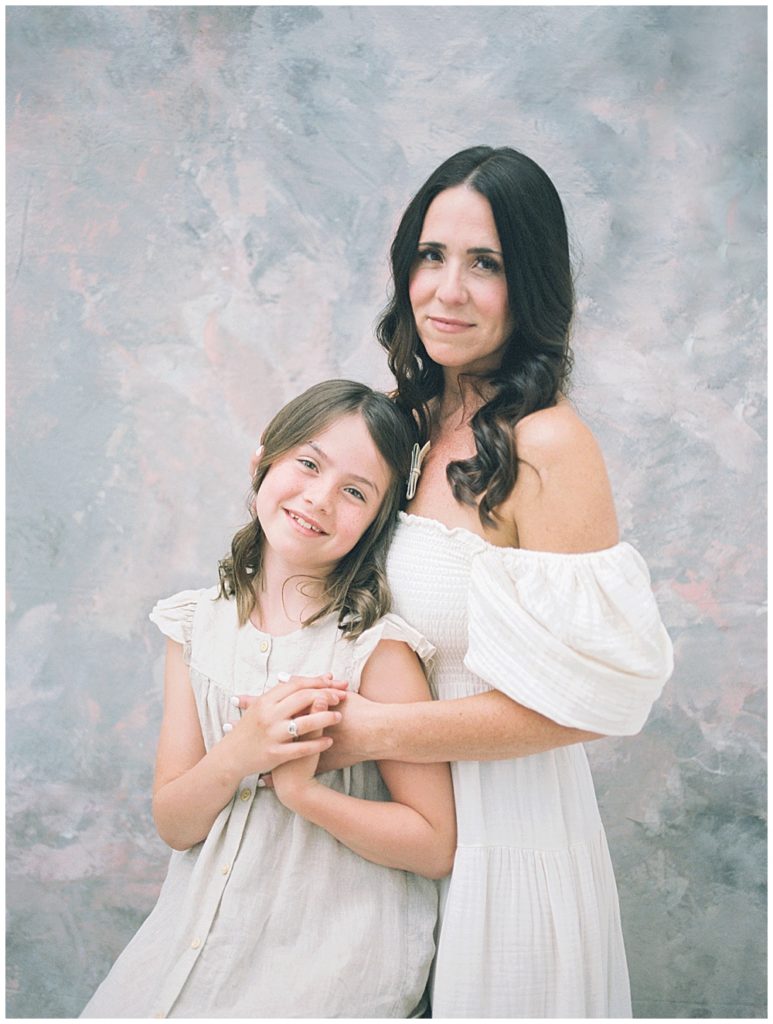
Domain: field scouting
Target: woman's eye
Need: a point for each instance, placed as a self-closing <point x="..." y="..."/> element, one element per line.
<point x="429" y="256"/>
<point x="355" y="492"/>
<point x="308" y="463"/>
<point x="487" y="263"/>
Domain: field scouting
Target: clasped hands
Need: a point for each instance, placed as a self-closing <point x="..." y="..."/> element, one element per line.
<point x="262" y="739"/>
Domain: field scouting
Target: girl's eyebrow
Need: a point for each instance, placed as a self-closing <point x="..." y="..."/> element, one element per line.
<point x="354" y="476"/>
<point x="477" y="250"/>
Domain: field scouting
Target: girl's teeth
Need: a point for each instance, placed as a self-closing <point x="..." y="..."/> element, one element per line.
<point x="307" y="525"/>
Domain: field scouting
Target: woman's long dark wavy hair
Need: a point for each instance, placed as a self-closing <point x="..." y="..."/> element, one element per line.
<point x="357" y="587"/>
<point x="537" y="359"/>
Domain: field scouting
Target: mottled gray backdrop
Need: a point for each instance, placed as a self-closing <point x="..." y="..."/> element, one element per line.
<point x="200" y="202"/>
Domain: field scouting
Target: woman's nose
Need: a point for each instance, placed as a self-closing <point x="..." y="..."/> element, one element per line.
<point x="451" y="288"/>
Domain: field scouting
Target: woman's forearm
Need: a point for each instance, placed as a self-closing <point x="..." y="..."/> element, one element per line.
<point x="484" y="727"/>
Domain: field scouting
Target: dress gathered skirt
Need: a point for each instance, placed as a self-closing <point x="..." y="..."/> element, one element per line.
<point x="529" y="922"/>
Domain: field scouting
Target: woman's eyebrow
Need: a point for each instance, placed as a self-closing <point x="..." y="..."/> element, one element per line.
<point x="476" y="250"/>
<point x="354" y="476"/>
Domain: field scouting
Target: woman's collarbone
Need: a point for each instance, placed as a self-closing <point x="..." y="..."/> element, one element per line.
<point x="435" y="501"/>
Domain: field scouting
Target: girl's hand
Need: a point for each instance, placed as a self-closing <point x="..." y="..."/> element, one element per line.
<point x="265" y="736"/>
<point x="292" y="777"/>
<point x="360" y="721"/>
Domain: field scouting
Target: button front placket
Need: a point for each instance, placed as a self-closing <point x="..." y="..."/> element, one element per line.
<point x="251" y="661"/>
<point x="212" y="873"/>
<point x="213" y="870"/>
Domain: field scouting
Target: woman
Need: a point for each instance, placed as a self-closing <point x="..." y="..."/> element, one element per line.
<point x="509" y="561"/>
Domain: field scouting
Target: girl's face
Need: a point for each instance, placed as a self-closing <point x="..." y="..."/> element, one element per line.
<point x="457" y="287"/>
<point x="318" y="499"/>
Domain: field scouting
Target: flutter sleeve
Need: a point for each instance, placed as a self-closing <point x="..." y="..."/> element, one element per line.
<point x="174" y="617"/>
<point x="388" y="627"/>
<point x="576" y="637"/>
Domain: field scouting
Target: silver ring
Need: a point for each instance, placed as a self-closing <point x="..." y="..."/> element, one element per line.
<point x="292" y="728"/>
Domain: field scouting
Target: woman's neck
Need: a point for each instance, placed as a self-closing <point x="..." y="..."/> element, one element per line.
<point x="460" y="399"/>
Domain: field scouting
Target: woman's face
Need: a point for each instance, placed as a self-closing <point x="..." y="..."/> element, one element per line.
<point x="457" y="287"/>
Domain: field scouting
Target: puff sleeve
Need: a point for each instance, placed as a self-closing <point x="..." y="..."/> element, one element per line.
<point x="388" y="627"/>
<point x="174" y="617"/>
<point x="576" y="637"/>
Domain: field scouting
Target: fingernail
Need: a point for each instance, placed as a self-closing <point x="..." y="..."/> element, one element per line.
<point x="260" y="784"/>
<point x="227" y="727"/>
<point x="259" y="450"/>
<point x="235" y="701"/>
<point x="283" y="677"/>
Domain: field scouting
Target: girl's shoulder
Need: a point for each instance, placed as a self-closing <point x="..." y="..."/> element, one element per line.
<point x="174" y="615"/>
<point x="388" y="627"/>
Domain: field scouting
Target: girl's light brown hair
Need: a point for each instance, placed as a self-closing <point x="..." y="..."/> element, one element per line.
<point x="357" y="587"/>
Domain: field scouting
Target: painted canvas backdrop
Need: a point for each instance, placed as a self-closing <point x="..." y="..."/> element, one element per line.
<point x="200" y="203"/>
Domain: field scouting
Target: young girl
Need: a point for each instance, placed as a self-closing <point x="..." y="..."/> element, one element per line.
<point x="305" y="900"/>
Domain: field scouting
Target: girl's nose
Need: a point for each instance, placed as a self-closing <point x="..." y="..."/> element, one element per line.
<point x="451" y="288"/>
<point x="318" y="495"/>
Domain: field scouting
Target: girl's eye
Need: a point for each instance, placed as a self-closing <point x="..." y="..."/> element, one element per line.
<point x="355" y="492"/>
<point x="307" y="463"/>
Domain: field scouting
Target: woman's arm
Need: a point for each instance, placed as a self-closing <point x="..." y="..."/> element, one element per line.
<point x="484" y="727"/>
<point x="417" y="830"/>
<point x="191" y="785"/>
<point x="562" y="502"/>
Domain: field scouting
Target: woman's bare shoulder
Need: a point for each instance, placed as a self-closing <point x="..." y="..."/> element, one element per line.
<point x="562" y="500"/>
<point x="552" y="435"/>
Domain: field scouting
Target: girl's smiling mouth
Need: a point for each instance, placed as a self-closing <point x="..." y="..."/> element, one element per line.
<point x="306" y="525"/>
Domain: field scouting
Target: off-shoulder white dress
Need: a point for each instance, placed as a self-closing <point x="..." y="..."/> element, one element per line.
<point x="530" y="925"/>
<point x="271" y="916"/>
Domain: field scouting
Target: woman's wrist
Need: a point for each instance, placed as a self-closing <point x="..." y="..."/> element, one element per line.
<point x="382" y="738"/>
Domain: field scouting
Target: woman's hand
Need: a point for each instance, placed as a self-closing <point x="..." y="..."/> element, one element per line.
<point x="358" y="735"/>
<point x="270" y="730"/>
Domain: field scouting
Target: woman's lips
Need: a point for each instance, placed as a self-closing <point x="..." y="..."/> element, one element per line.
<point x="449" y="326"/>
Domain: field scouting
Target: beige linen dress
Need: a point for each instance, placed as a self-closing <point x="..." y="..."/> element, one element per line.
<point x="271" y="916"/>
<point x="530" y="925"/>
